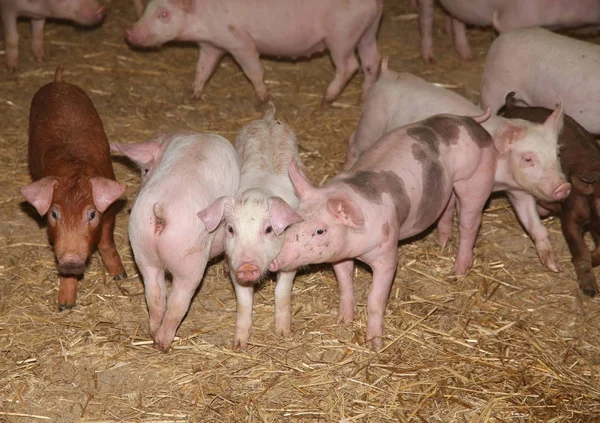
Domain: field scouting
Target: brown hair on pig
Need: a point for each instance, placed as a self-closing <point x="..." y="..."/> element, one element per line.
<point x="580" y="162"/>
<point x="74" y="183"/>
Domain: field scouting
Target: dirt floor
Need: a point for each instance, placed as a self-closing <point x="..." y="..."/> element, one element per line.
<point x="510" y="342"/>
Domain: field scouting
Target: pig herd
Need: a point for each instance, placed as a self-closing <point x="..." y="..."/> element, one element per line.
<point x="418" y="155"/>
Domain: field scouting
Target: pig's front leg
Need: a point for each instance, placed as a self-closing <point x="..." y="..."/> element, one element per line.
<point x="572" y="223"/>
<point x="247" y="55"/>
<point x="37" y="39"/>
<point x="108" y="249"/>
<point x="67" y="292"/>
<point x="344" y="273"/>
<point x="208" y="58"/>
<point x="426" y="9"/>
<point x="460" y="39"/>
<point x="526" y="209"/>
<point x="384" y="268"/>
<point x="11" y="39"/>
<point x="243" y="323"/>
<point x="283" y="303"/>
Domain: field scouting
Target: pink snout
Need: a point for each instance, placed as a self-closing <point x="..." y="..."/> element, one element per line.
<point x="248" y="273"/>
<point x="131" y="37"/>
<point x="562" y="191"/>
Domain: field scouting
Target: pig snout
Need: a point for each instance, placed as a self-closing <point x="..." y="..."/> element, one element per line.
<point x="562" y="191"/>
<point x="248" y="272"/>
<point x="131" y="36"/>
<point x="71" y="265"/>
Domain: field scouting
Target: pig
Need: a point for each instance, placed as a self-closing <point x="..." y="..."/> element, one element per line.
<point x="139" y="8"/>
<point x="189" y="172"/>
<point x="282" y="28"/>
<point x="504" y="15"/>
<point x="74" y="183"/>
<point x="580" y="161"/>
<point x="542" y="66"/>
<point x="257" y="216"/>
<point x="84" y="12"/>
<point x="527" y="163"/>
<point x="396" y="189"/>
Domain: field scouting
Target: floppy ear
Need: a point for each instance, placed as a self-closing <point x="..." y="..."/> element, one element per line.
<point x="105" y="192"/>
<point x="342" y="207"/>
<point x="300" y="183"/>
<point x="39" y="193"/>
<point x="508" y="134"/>
<point x="282" y="215"/>
<point x="213" y="214"/>
<point x="555" y="120"/>
<point x="140" y="153"/>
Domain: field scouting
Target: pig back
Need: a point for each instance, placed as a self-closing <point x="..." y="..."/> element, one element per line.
<point x="66" y="134"/>
<point x="579" y="151"/>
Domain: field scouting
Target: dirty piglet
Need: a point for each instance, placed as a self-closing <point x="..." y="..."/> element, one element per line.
<point x="74" y="182"/>
<point x="580" y="161"/>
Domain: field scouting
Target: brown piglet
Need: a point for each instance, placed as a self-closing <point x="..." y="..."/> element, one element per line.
<point x="580" y="162"/>
<point x="74" y="182"/>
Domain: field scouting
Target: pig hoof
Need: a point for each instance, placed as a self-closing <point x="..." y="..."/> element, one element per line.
<point x="63" y="307"/>
<point x="161" y="347"/>
<point x="239" y="345"/>
<point x="588" y="285"/>
<point x="121" y="276"/>
<point x="590" y="292"/>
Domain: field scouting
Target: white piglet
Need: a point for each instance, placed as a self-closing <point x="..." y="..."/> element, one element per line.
<point x="257" y="216"/>
<point x="188" y="173"/>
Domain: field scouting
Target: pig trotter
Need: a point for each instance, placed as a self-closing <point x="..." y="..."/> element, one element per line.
<point x="547" y="255"/>
<point x="63" y="307"/>
<point x="586" y="278"/>
<point x="121" y="276"/>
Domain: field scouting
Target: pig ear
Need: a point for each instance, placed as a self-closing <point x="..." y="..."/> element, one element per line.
<point x="555" y="120"/>
<point x="509" y="133"/>
<point x="282" y="215"/>
<point x="301" y="184"/>
<point x="345" y="209"/>
<point x="39" y="193"/>
<point x="213" y="214"/>
<point x="141" y="152"/>
<point x="581" y="186"/>
<point x="105" y="192"/>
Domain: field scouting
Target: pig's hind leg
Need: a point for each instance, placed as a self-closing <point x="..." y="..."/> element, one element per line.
<point x="346" y="64"/>
<point x="11" y="39"/>
<point x="156" y="294"/>
<point x="369" y="56"/>
<point x="207" y="61"/>
<point x="444" y="225"/>
<point x="460" y="39"/>
<point x="247" y="55"/>
<point x="37" y="39"/>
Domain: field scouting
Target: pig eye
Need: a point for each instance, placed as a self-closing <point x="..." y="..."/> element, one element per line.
<point x="320" y="231"/>
<point x="92" y="215"/>
<point x="230" y="229"/>
<point x="146" y="171"/>
<point x="269" y="229"/>
<point x="55" y="214"/>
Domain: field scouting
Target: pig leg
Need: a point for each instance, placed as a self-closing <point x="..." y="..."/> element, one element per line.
<point x="246" y="54"/>
<point x="344" y="273"/>
<point x="444" y="225"/>
<point x="472" y="194"/>
<point x="67" y="292"/>
<point x="460" y="39"/>
<point x="108" y="249"/>
<point x="243" y="324"/>
<point x="351" y="152"/>
<point x="37" y="39"/>
<point x="426" y="9"/>
<point x="369" y="56"/>
<point x="207" y="61"/>
<point x="11" y="40"/>
<point x="156" y="294"/>
<point x="283" y="303"/>
<point x="384" y="268"/>
<point x="342" y="55"/>
<point x="526" y="209"/>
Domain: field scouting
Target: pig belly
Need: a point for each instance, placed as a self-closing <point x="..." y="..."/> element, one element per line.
<point x="472" y="13"/>
<point x="289" y="46"/>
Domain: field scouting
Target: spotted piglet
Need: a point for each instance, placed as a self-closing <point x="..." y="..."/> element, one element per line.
<point x="580" y="161"/>
<point x="74" y="183"/>
<point x="398" y="188"/>
<point x="256" y="218"/>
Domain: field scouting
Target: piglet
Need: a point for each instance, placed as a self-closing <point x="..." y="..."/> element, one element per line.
<point x="84" y="12"/>
<point x="283" y="28"/>
<point x="398" y="188"/>
<point x="580" y="160"/>
<point x="504" y="15"/>
<point x="189" y="171"/>
<point x="256" y="218"/>
<point x="543" y="66"/>
<point x="527" y="163"/>
<point x="74" y="182"/>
